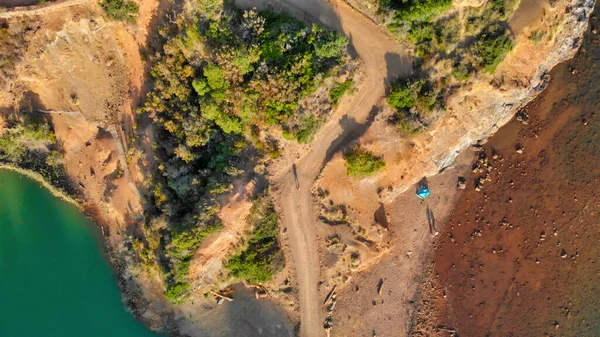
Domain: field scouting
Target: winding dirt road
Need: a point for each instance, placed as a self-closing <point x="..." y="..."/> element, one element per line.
<point x="383" y="59"/>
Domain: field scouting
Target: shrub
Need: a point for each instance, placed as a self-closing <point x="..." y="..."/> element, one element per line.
<point x="121" y="10"/>
<point x="537" y="36"/>
<point x="491" y="47"/>
<point x="306" y="129"/>
<point x="417" y="10"/>
<point x="461" y="71"/>
<point x="339" y="90"/>
<point x="412" y="93"/>
<point x="261" y="259"/>
<point x="421" y="32"/>
<point x="362" y="162"/>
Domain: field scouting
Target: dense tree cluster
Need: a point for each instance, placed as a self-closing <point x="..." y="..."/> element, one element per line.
<point x="219" y="82"/>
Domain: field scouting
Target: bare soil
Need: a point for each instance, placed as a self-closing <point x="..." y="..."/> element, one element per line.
<point x="360" y="311"/>
<point x="521" y="257"/>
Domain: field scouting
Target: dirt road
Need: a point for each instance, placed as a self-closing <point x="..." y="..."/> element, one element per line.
<point x="382" y="60"/>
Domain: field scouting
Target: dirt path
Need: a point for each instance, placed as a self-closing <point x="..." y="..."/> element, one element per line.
<point x="382" y="59"/>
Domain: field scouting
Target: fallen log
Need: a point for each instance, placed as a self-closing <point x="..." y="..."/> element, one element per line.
<point x="330" y="294"/>
<point x="221" y="296"/>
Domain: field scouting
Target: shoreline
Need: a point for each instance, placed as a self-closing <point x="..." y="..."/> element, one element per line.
<point x="37" y="177"/>
<point x="132" y="299"/>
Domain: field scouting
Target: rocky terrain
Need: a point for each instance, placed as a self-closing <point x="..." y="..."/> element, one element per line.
<point x="520" y="257"/>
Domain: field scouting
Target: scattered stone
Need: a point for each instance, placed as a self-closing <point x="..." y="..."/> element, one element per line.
<point x="462" y="183"/>
<point x="523" y="117"/>
<point x="520" y="149"/>
<point x="563" y="254"/>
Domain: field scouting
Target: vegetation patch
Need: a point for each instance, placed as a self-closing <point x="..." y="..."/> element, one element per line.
<point x="416" y="10"/>
<point x="360" y="162"/>
<point x="305" y="129"/>
<point x="182" y="248"/>
<point x="537" y="36"/>
<point x="491" y="47"/>
<point x="30" y="144"/>
<point x="261" y="257"/>
<point x="413" y="99"/>
<point x="477" y="43"/>
<point x="339" y="90"/>
<point x="222" y="83"/>
<point x="121" y="10"/>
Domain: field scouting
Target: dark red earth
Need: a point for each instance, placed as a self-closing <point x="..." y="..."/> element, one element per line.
<point x="521" y="257"/>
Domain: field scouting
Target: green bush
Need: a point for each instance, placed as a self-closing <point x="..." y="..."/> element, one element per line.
<point x="462" y="71"/>
<point x="417" y="10"/>
<point x="491" y="47"/>
<point x="306" y="129"/>
<point x="121" y="10"/>
<point x="182" y="247"/>
<point x="31" y="144"/>
<point x="421" y="32"/>
<point x="361" y="163"/>
<point x="537" y="36"/>
<point x="339" y="90"/>
<point x="261" y="258"/>
<point x="412" y="93"/>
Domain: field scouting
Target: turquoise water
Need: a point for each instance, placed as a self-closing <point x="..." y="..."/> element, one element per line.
<point x="54" y="280"/>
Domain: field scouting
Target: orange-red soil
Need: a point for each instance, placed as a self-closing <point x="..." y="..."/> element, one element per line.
<point x="521" y="257"/>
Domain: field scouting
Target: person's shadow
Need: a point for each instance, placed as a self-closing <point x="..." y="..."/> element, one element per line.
<point x="431" y="221"/>
<point x="296" y="181"/>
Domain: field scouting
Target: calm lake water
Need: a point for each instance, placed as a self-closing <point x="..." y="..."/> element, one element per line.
<point x="54" y="280"/>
